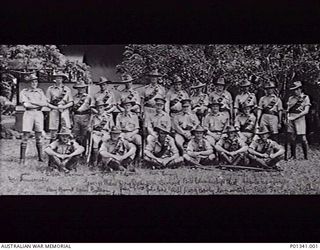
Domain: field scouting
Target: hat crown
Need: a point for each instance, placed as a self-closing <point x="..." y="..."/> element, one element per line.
<point x="177" y="79"/>
<point x="160" y="100"/>
<point x="163" y="127"/>
<point x="103" y="79"/>
<point x="31" y="77"/>
<point x="262" y="130"/>
<point x="115" y="130"/>
<point x="295" y="85"/>
<point x="221" y="81"/>
<point x="230" y="128"/>
<point x="245" y="83"/>
<point x="126" y="78"/>
<point x="270" y="84"/>
<point x="65" y="131"/>
<point x="154" y="72"/>
<point x="199" y="128"/>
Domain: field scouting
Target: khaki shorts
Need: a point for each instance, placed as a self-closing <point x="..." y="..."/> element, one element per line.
<point x="32" y="120"/>
<point x="270" y="122"/>
<point x="54" y="119"/>
<point x="297" y="126"/>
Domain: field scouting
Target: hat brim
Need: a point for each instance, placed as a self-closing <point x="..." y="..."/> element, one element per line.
<point x="263" y="133"/>
<point x="63" y="76"/>
<point x="198" y="86"/>
<point x="132" y="103"/>
<point x="80" y="86"/>
<point x="293" y="88"/>
<point x="157" y="129"/>
<point x="30" y="80"/>
<point x="69" y="134"/>
<point x="200" y="131"/>
<point x="215" y="104"/>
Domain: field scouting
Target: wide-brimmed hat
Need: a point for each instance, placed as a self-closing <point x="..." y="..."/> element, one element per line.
<point x="296" y="85"/>
<point x="31" y="78"/>
<point x="160" y="100"/>
<point x="80" y="84"/>
<point x="115" y="130"/>
<point x="154" y="73"/>
<point x="199" y="85"/>
<point x="126" y="78"/>
<point x="270" y="85"/>
<point x="230" y="129"/>
<point x="198" y="128"/>
<point x="103" y="80"/>
<point x="247" y="105"/>
<point x="60" y="74"/>
<point x="162" y="128"/>
<point x="184" y="101"/>
<point x="176" y="79"/>
<point x="65" y="131"/>
<point x="245" y="83"/>
<point x="100" y="103"/>
<point x="214" y="102"/>
<point x="220" y="81"/>
<point x="262" y="131"/>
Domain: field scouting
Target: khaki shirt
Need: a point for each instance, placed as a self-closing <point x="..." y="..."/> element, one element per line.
<point x="127" y="122"/>
<point x="245" y="123"/>
<point x="215" y="122"/>
<point x="64" y="148"/>
<point x="272" y="103"/>
<point x="245" y="98"/>
<point x="198" y="146"/>
<point x="262" y="147"/>
<point x="151" y="92"/>
<point x="224" y="97"/>
<point x="118" y="147"/>
<point x="106" y="97"/>
<point x="32" y="95"/>
<point x="130" y="94"/>
<point x="186" y="121"/>
<point x="60" y="93"/>
<point x="156" y="120"/>
<point x="154" y="147"/>
<point x="102" y="121"/>
<point x="82" y="102"/>
<point x="231" y="145"/>
<point x="302" y="101"/>
<point x="172" y="96"/>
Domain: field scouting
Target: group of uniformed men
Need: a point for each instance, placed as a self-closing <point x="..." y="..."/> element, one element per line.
<point x="167" y="129"/>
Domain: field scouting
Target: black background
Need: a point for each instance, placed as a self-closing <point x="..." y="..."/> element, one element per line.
<point x="163" y="218"/>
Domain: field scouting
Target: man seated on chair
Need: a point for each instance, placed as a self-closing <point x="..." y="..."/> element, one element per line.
<point x="161" y="151"/>
<point x="116" y="152"/>
<point x="183" y="124"/>
<point x="231" y="148"/>
<point x="199" y="150"/>
<point x="128" y="122"/>
<point x="64" y="152"/>
<point x="263" y="151"/>
<point x="100" y="126"/>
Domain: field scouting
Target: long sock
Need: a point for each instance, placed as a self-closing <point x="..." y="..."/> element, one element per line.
<point x="23" y="148"/>
<point x="293" y="150"/>
<point x="305" y="150"/>
<point x="39" y="150"/>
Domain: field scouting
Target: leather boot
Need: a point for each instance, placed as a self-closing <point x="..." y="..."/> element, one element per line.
<point x="305" y="150"/>
<point x="23" y="148"/>
<point x="39" y="150"/>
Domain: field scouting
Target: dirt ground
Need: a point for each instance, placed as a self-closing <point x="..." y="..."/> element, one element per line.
<point x="296" y="177"/>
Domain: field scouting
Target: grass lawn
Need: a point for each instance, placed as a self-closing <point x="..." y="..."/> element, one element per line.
<point x="296" y="177"/>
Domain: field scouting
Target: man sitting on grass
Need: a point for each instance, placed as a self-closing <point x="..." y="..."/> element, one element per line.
<point x="231" y="148"/>
<point x="161" y="151"/>
<point x="117" y="153"/>
<point x="265" y="152"/>
<point x="199" y="150"/>
<point x="64" y="153"/>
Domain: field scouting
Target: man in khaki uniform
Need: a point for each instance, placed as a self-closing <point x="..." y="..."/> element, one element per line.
<point x="263" y="151"/>
<point x="152" y="91"/>
<point x="215" y="122"/>
<point x="64" y="152"/>
<point x="130" y="93"/>
<point x="81" y="112"/>
<point x="200" y="101"/>
<point x="60" y="101"/>
<point x="128" y="122"/>
<point x="298" y="107"/>
<point x="175" y="96"/>
<point x="246" y="122"/>
<point x="199" y="150"/>
<point x="231" y="148"/>
<point x="183" y="124"/>
<point x="117" y="153"/>
<point x="104" y="95"/>
<point x="33" y="99"/>
<point x="99" y="126"/>
<point x="161" y="151"/>
<point x="245" y="98"/>
<point x="270" y="111"/>
<point x="160" y="118"/>
<point x="223" y="96"/>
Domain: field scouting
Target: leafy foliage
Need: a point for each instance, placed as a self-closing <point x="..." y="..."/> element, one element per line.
<point x="259" y="63"/>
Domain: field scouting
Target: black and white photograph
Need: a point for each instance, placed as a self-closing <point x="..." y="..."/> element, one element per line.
<point x="160" y="119"/>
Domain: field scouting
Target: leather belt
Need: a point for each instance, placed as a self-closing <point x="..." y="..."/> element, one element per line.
<point x="34" y="109"/>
